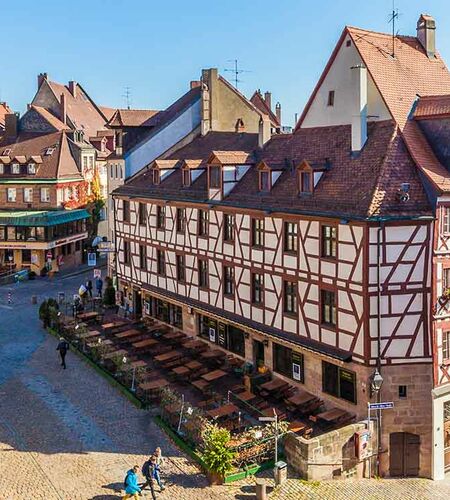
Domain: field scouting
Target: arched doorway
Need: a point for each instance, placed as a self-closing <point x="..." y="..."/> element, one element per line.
<point x="404" y="454"/>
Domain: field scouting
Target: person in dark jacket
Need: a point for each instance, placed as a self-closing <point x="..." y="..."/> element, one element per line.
<point x="89" y="287"/>
<point x="63" y="347"/>
<point x="147" y="472"/>
<point x="99" y="286"/>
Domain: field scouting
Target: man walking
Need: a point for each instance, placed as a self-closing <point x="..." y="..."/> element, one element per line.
<point x="99" y="286"/>
<point x="130" y="484"/>
<point x="147" y="472"/>
<point x="63" y="347"/>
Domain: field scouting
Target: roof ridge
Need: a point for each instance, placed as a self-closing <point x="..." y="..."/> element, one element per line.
<point x="373" y="32"/>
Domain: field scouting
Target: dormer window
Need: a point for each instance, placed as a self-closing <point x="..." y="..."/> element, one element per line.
<point x="31" y="168"/>
<point x="305" y="181"/>
<point x="156" y="177"/>
<point x="15" y="168"/>
<point x="264" y="181"/>
<point x="186" y="177"/>
<point x="215" y="175"/>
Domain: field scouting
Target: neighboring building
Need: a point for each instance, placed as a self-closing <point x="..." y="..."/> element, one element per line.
<point x="4" y="110"/>
<point x="317" y="253"/>
<point x="39" y="178"/>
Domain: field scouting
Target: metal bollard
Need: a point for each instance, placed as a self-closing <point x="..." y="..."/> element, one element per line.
<point x="261" y="490"/>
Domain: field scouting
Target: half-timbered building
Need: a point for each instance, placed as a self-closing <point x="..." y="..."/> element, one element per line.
<point x="316" y="253"/>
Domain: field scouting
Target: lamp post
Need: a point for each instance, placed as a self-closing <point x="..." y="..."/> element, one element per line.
<point x="376" y="382"/>
<point x="133" y="379"/>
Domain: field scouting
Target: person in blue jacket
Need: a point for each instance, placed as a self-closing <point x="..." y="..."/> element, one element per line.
<point x="130" y="484"/>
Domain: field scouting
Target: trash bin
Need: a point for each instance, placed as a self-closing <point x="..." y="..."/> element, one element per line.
<point x="261" y="489"/>
<point x="280" y="472"/>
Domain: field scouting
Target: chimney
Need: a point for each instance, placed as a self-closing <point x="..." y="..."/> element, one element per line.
<point x="426" y="33"/>
<point x="73" y="88"/>
<point x="268" y="99"/>
<point x="278" y="112"/>
<point x="210" y="100"/>
<point x="41" y="78"/>
<point x="63" y="109"/>
<point x="359" y="112"/>
<point x="11" y="125"/>
<point x="264" y="130"/>
<point x="195" y="84"/>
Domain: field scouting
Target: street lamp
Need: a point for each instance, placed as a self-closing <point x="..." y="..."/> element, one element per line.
<point x="124" y="360"/>
<point x="375" y="383"/>
<point x="375" y="386"/>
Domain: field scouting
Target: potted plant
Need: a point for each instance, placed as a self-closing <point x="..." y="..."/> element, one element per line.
<point x="217" y="455"/>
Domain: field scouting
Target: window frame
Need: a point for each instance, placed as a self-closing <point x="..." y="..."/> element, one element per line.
<point x="325" y="294"/>
<point x="290" y="236"/>
<point x="336" y="377"/>
<point x="143" y="257"/>
<point x="15" y="168"/>
<point x="142" y="214"/>
<point x="292" y="357"/>
<point x="445" y="219"/>
<point x="45" y="199"/>
<point x="126" y="211"/>
<point x="308" y="186"/>
<point x="217" y="169"/>
<point x="181" y="267"/>
<point x="257" y="232"/>
<point x="257" y="288"/>
<point x="180" y="220"/>
<point x="186" y="176"/>
<point x="228" y="227"/>
<point x="203" y="273"/>
<point x="160" y="217"/>
<point x="269" y="181"/>
<point x="290" y="297"/>
<point x="126" y="252"/>
<point x="160" y="262"/>
<point x="228" y="280"/>
<point x="202" y="222"/>
<point x="11" y="199"/>
<point x="331" y="98"/>
<point x="328" y="242"/>
<point x="446" y="345"/>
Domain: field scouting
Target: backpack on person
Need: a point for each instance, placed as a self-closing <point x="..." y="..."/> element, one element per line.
<point x="146" y="469"/>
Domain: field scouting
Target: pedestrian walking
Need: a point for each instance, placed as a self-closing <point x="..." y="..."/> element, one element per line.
<point x="99" y="286"/>
<point x="156" y="472"/>
<point x="63" y="347"/>
<point x="89" y="287"/>
<point x="147" y="472"/>
<point x="130" y="484"/>
<point x="158" y="456"/>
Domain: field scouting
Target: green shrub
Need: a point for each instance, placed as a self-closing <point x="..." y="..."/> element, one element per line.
<point x="217" y="456"/>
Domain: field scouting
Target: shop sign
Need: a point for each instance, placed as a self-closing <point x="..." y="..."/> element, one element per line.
<point x="92" y="259"/>
<point x="97" y="273"/>
<point x="222" y="335"/>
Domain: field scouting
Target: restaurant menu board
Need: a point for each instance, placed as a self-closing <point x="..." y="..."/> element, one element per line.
<point x="222" y="335"/>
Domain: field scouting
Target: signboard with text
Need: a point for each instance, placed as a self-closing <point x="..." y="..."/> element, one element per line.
<point x="387" y="405"/>
<point x="92" y="259"/>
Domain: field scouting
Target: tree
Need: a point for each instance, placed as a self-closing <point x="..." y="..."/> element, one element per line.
<point x="217" y="456"/>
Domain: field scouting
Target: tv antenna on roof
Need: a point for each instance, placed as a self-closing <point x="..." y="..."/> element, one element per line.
<point x="236" y="71"/>
<point x="127" y="96"/>
<point x="392" y="19"/>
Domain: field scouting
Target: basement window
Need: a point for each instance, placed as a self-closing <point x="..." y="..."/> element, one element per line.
<point x="402" y="391"/>
<point x="330" y="98"/>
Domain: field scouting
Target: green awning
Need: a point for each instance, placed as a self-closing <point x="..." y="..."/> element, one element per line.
<point x="43" y="218"/>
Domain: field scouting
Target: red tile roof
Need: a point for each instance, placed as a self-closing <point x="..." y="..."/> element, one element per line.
<point x="133" y="118"/>
<point x="4" y="110"/>
<point x="50" y="118"/>
<point x="436" y="106"/>
<point x="258" y="100"/>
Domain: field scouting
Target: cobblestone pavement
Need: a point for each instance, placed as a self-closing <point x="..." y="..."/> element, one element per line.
<point x="68" y="435"/>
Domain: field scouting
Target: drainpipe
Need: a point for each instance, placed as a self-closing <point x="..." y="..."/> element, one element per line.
<point x="379" y="243"/>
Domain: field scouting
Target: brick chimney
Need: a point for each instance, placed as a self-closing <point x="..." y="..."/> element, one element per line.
<point x="278" y="112"/>
<point x="63" y="109"/>
<point x="359" y="108"/>
<point x="268" y="99"/>
<point x="195" y="84"/>
<point x="73" y="88"/>
<point x="11" y="125"/>
<point x="41" y="78"/>
<point x="426" y="33"/>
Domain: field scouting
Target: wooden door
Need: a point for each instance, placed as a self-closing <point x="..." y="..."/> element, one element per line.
<point x="404" y="454"/>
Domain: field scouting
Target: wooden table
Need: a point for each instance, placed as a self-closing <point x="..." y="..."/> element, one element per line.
<point x="223" y="411"/>
<point x="155" y="328"/>
<point x="154" y="384"/>
<point x="113" y="325"/>
<point x="167" y="356"/>
<point x="174" y="336"/>
<point x="214" y="375"/>
<point x="213" y="354"/>
<point x="144" y="343"/>
<point x="128" y="333"/>
<point x="297" y="426"/>
<point x="333" y="415"/>
<point x="113" y="354"/>
<point x="87" y="316"/>
<point x="89" y="335"/>
<point x="200" y="384"/>
<point x="181" y="370"/>
<point x="245" y="396"/>
<point x="194" y="344"/>
<point x="193" y="365"/>
<point x="274" y="385"/>
<point x="300" y="398"/>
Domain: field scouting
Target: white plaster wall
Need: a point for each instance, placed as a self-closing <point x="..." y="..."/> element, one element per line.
<point x="157" y="144"/>
<point x="438" y="433"/>
<point x="339" y="80"/>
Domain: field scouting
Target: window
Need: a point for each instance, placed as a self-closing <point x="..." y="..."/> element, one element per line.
<point x="228" y="280"/>
<point x="91" y="162"/>
<point x="15" y="168"/>
<point x="236" y="340"/>
<point x="264" y="181"/>
<point x="445" y="279"/>
<point x="126" y="210"/>
<point x="186" y="177"/>
<point x="329" y="241"/>
<point x="446" y="345"/>
<point x="328" y="307"/>
<point x="338" y="382"/>
<point x="288" y="362"/>
<point x="290" y="237"/>
<point x="2" y="169"/>
<point x="85" y="160"/>
<point x="446" y="220"/>
<point x="305" y="181"/>
<point x="143" y="257"/>
<point x="330" y="98"/>
<point x="202" y="221"/>
<point x="161" y="262"/>
<point x="214" y="177"/>
<point x="290" y="297"/>
<point x="31" y="168"/>
<point x="142" y="214"/>
<point x="45" y="195"/>
<point x="156" y="176"/>
<point x="181" y="220"/>
<point x="257" y="288"/>
<point x="203" y="275"/>
<point x="228" y="227"/>
<point x="402" y="391"/>
<point x="28" y="195"/>
<point x="257" y="233"/>
<point x="126" y="252"/>
<point x="181" y="268"/>
<point x="160" y="217"/>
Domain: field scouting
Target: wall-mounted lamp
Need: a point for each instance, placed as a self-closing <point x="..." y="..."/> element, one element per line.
<point x="375" y="383"/>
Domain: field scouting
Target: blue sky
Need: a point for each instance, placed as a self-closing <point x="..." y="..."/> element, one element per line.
<point x="157" y="47"/>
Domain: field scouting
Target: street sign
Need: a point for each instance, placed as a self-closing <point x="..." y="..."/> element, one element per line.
<point x="267" y="419"/>
<point x="97" y="273"/>
<point x="381" y="406"/>
<point x="92" y="259"/>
